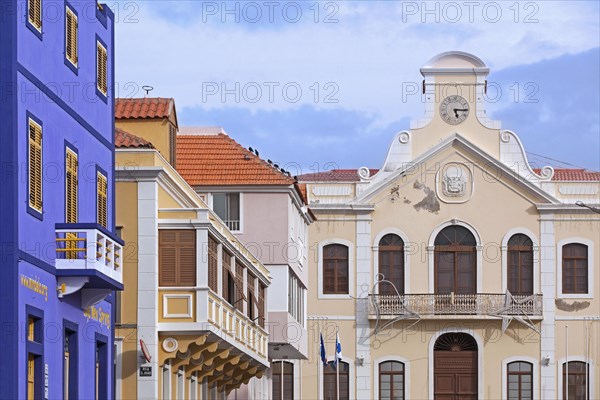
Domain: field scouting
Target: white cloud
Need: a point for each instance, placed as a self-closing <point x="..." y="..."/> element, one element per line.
<point x="367" y="55"/>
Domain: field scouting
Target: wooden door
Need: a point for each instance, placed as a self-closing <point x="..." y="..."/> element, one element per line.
<point x="455" y="375"/>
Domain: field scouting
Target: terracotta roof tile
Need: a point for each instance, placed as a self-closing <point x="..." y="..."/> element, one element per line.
<point x="335" y="175"/>
<point x="148" y="107"/>
<point x="128" y="140"/>
<point x="218" y="160"/>
<point x="574" y="174"/>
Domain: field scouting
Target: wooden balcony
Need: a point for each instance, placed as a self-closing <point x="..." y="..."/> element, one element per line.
<point x="454" y="306"/>
<point x="91" y="253"/>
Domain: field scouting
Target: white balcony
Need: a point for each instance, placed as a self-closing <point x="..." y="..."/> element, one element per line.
<point x="464" y="306"/>
<point x="89" y="251"/>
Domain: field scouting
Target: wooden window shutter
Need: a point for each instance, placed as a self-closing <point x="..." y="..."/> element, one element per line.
<point x="101" y="68"/>
<point x="261" y="304"/>
<point x="187" y="258"/>
<point x="226" y="274"/>
<point x="102" y="200"/>
<point x="35" y="166"/>
<point x="213" y="260"/>
<point x="239" y="286"/>
<point x="71" y="187"/>
<point x="71" y="37"/>
<point x="251" y="296"/>
<point x="34" y="13"/>
<point x="177" y="257"/>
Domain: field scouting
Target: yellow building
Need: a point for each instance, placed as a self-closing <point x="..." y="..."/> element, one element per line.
<point x="192" y="320"/>
<point x="455" y="271"/>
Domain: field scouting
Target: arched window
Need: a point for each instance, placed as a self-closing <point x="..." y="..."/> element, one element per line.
<point x="520" y="265"/>
<point x="575" y="375"/>
<point x="330" y="381"/>
<point x="519" y="380"/>
<point x="575" y="268"/>
<point x="283" y="380"/>
<point x="335" y="269"/>
<point x="455" y="261"/>
<point x="391" y="380"/>
<point x="391" y="264"/>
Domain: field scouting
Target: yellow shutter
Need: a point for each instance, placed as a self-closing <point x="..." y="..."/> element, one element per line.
<point x="35" y="166"/>
<point x="101" y="201"/>
<point x="30" y="376"/>
<point x="34" y="13"/>
<point x="71" y="36"/>
<point x="71" y="190"/>
<point x="101" y="68"/>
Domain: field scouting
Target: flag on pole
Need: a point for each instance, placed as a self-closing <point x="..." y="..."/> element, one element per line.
<point x="323" y="354"/>
<point x="338" y="349"/>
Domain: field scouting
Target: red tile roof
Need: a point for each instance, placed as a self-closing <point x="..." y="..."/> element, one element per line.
<point x="335" y="175"/>
<point x="128" y="140"/>
<point x="148" y="107"/>
<point x="574" y="174"/>
<point x="218" y="160"/>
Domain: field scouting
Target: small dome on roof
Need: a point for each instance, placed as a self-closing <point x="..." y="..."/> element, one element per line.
<point x="455" y="61"/>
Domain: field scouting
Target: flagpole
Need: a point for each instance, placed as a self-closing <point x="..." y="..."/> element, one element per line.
<point x="319" y="362"/>
<point x="337" y="362"/>
<point x="567" y="360"/>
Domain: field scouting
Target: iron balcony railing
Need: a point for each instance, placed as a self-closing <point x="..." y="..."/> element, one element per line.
<point x="481" y="304"/>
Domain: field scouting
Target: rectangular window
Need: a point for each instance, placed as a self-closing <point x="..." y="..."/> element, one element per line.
<point x="295" y="298"/>
<point x="34" y="13"/>
<point x="262" y="291"/>
<point x="575" y="268"/>
<point x="71" y="187"/>
<point x="101" y="201"/>
<point x="213" y="263"/>
<point x="101" y="68"/>
<point x="35" y="165"/>
<point x="101" y="370"/>
<point x="71" y="36"/>
<point x="240" y="297"/>
<point x="227" y="207"/>
<point x="35" y="354"/>
<point x="177" y="257"/>
<point x="70" y="364"/>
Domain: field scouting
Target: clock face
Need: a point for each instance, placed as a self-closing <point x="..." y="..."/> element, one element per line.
<point x="454" y="109"/>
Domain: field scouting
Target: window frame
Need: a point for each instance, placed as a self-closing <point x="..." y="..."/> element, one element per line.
<point x="72" y="64"/>
<point x="590" y="271"/>
<point x="35" y="348"/>
<point x="535" y="362"/>
<point x="519" y="374"/>
<point x="455" y="249"/>
<point x="240" y="211"/>
<point x="38" y="31"/>
<point x="395" y="358"/>
<point x="38" y="213"/>
<point x="71" y="149"/>
<point x="403" y="374"/>
<point x="324" y="372"/>
<point x="351" y="269"/>
<point x="589" y="375"/>
<point x="178" y="279"/>
<point x="73" y="388"/>
<point x="381" y="250"/>
<point x="99" y="92"/>
<point x="283" y="364"/>
<point x="100" y="173"/>
<point x="337" y="269"/>
<point x="520" y="249"/>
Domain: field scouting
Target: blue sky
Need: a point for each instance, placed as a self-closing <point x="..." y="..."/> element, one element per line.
<point x="316" y="85"/>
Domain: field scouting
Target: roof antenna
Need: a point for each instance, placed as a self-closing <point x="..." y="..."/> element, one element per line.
<point x="147" y="89"/>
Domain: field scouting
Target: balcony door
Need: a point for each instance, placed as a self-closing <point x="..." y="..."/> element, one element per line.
<point x="455" y="367"/>
<point x="455" y="261"/>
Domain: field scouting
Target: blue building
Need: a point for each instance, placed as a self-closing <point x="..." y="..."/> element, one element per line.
<point x="60" y="260"/>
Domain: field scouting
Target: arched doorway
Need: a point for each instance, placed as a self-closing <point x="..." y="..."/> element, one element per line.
<point x="455" y="367"/>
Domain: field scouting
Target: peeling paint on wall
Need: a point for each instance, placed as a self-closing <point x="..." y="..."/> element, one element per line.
<point x="429" y="202"/>
<point x="574" y="306"/>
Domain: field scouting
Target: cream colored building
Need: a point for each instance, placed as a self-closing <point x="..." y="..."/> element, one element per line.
<point x="192" y="322"/>
<point x="455" y="271"/>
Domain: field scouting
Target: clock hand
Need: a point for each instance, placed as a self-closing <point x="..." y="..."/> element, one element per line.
<point x="456" y="110"/>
